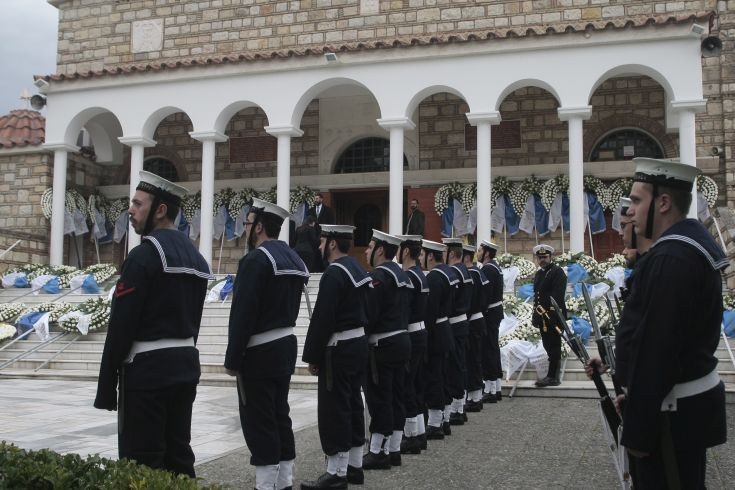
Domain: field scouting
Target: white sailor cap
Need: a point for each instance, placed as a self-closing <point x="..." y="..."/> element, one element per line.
<point x="489" y="244"/>
<point x="452" y="242"/>
<point x="543" y="249"/>
<point x="433" y="246"/>
<point x="665" y="172"/>
<point x="380" y="236"/>
<point x="468" y="249"/>
<point x="337" y="231"/>
<point x="269" y="207"/>
<point x="412" y="239"/>
<point x="158" y="186"/>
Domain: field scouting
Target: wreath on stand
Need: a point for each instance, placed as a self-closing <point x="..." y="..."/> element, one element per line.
<point x="190" y="205"/>
<point x="616" y="190"/>
<point x="222" y="198"/>
<point x="708" y="188"/>
<point x="552" y="187"/>
<point x="446" y="192"/>
<point x="302" y="194"/>
<point x="240" y="199"/>
<point x="521" y="191"/>
<point x="270" y="195"/>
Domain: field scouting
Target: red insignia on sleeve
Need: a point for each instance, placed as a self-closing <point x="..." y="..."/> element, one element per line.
<point x="376" y="283"/>
<point x="121" y="290"/>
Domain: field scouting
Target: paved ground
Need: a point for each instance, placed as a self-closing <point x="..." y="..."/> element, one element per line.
<point x="520" y="443"/>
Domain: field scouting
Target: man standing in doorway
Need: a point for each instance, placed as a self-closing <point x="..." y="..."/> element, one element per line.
<point x="323" y="214"/>
<point x="154" y="324"/>
<point x="415" y="221"/>
<point x="261" y="351"/>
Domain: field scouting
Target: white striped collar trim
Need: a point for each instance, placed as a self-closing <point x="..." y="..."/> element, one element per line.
<point x="286" y="272"/>
<point x="483" y="280"/>
<point x="459" y="271"/>
<point x="400" y="284"/>
<point x="721" y="264"/>
<point x="497" y="267"/>
<point x="423" y="289"/>
<point x="452" y="282"/>
<point x="357" y="284"/>
<point x="176" y="270"/>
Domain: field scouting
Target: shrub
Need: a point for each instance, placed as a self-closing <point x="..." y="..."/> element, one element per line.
<point x="46" y="470"/>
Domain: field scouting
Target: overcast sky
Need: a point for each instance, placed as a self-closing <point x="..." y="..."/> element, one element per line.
<point x="27" y="47"/>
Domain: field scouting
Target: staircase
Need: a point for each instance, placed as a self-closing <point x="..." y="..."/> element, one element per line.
<point x="80" y="360"/>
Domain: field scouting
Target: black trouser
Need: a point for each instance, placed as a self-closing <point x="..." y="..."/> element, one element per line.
<point x="340" y="411"/>
<point x="434" y="380"/>
<point x="491" y="365"/>
<point x="414" y="393"/>
<point x="387" y="366"/>
<point x="455" y="378"/>
<point x="155" y="427"/>
<point x="650" y="472"/>
<point x="552" y="345"/>
<point x="264" y="419"/>
<point x="474" y="361"/>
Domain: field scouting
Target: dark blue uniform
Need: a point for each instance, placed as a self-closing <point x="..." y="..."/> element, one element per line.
<point x="414" y="393"/>
<point x="478" y="330"/>
<point x="456" y="372"/>
<point x="491" y="366"/>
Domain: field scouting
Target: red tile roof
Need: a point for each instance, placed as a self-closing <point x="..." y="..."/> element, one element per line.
<point x="638" y="21"/>
<point x="22" y="128"/>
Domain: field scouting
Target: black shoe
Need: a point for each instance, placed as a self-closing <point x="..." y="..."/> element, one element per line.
<point x="410" y="445"/>
<point x="456" y="418"/>
<point x="434" y="432"/>
<point x="473" y="406"/>
<point x="422" y="441"/>
<point x="447" y="429"/>
<point x="489" y="398"/>
<point x="395" y="458"/>
<point x="499" y="395"/>
<point x="543" y="383"/>
<point x="355" y="475"/>
<point x="327" y="480"/>
<point x="554" y="382"/>
<point x="373" y="461"/>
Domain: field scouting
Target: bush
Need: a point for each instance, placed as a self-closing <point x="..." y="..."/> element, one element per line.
<point x="46" y="470"/>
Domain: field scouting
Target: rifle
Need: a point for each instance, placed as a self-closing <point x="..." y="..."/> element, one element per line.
<point x="575" y="343"/>
<point x="605" y="344"/>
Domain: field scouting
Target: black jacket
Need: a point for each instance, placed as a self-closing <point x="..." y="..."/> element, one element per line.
<point x="550" y="282"/>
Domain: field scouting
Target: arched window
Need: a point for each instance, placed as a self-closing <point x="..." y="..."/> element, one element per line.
<point x="367" y="217"/>
<point x="624" y="144"/>
<point x="366" y="155"/>
<point x="163" y="167"/>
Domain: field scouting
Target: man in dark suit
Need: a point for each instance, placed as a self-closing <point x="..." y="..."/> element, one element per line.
<point x="415" y="221"/>
<point x="323" y="214"/>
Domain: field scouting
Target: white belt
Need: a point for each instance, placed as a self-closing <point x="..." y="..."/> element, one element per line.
<point x="690" y="388"/>
<point x="476" y="316"/>
<point x="415" y="327"/>
<point x="458" y="318"/>
<point x="140" y="346"/>
<point x="352" y="333"/>
<point x="373" y="339"/>
<point x="441" y="320"/>
<point x="269" y="336"/>
<point x="493" y="305"/>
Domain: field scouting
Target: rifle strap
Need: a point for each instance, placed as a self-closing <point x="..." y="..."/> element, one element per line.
<point x="668" y="456"/>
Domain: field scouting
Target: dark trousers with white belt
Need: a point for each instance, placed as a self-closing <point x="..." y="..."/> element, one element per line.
<point x="491" y="366"/>
<point x="455" y="378"/>
<point x="474" y="355"/>
<point x="414" y="392"/>
<point x="385" y="382"/>
<point x="340" y="410"/>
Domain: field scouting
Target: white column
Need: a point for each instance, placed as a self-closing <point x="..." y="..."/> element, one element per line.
<point x="483" y="121"/>
<point x="208" y="140"/>
<point x="137" y="146"/>
<point x="396" y="126"/>
<point x="574" y="117"/>
<point x="56" y="247"/>
<point x="283" y="170"/>
<point x="686" y="111"/>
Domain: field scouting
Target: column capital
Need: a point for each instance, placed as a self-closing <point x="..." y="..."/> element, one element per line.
<point x="291" y="131"/>
<point x="582" y="112"/>
<point x="396" y="122"/>
<point x="694" y="105"/>
<point x="476" y="118"/>
<point x="208" y="136"/>
<point x="61" y="146"/>
<point x="137" y="140"/>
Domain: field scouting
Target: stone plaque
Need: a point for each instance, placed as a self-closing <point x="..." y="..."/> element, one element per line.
<point x="147" y="35"/>
<point x="253" y="149"/>
<point x="368" y="7"/>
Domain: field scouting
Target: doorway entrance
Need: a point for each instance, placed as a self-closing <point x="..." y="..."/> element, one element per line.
<point x="364" y="210"/>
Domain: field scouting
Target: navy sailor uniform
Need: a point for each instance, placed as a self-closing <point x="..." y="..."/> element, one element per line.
<point x="477" y="330"/>
<point x="491" y="366"/>
<point x="442" y="280"/>
<point x="414" y="393"/>
<point x="456" y="372"/>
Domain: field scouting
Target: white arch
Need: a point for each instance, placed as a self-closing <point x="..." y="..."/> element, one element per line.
<point x="77" y="122"/>
<point x="422" y="94"/>
<point x="632" y="70"/>
<point x="227" y="113"/>
<point x="526" y="82"/>
<point x="154" y="119"/>
<point x="312" y="92"/>
<point x="104" y="131"/>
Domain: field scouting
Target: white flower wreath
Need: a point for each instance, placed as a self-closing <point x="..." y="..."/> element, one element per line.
<point x="6" y="331"/>
<point x="616" y="190"/>
<point x="116" y="207"/>
<point x="468" y="197"/>
<point x="302" y="194"/>
<point x="9" y="312"/>
<point x="501" y="186"/>
<point x="446" y="192"/>
<point x="522" y="190"/>
<point x="270" y="195"/>
<point x="222" y="198"/>
<point x="526" y="267"/>
<point x="190" y="205"/>
<point x="240" y="199"/>
<point x="708" y="188"/>
<point x="99" y="308"/>
<point x="552" y="187"/>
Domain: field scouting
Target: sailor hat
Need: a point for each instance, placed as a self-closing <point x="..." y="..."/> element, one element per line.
<point x="269" y="207"/>
<point x="542" y="249"/>
<point x="452" y="242"/>
<point x="468" y="249"/>
<point x="411" y="239"/>
<point x="489" y="244"/>
<point x="380" y="236"/>
<point x="433" y="246"/>
<point x="158" y="186"/>
<point x="665" y="172"/>
<point x="337" y="231"/>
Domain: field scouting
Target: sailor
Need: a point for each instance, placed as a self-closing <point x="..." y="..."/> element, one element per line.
<point x="456" y="372"/>
<point x="441" y="279"/>
<point x="261" y="351"/>
<point x="154" y="324"/>
<point x="477" y="330"/>
<point x="492" y="370"/>
<point x="389" y="352"/>
<point x="414" y="432"/>
<point x="549" y="282"/>
<point x="675" y="405"/>
<point x="336" y="350"/>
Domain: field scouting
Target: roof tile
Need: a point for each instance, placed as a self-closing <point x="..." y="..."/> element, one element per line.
<point x="22" y="128"/>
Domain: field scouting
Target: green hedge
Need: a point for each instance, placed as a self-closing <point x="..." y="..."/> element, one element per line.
<point x="46" y="470"/>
